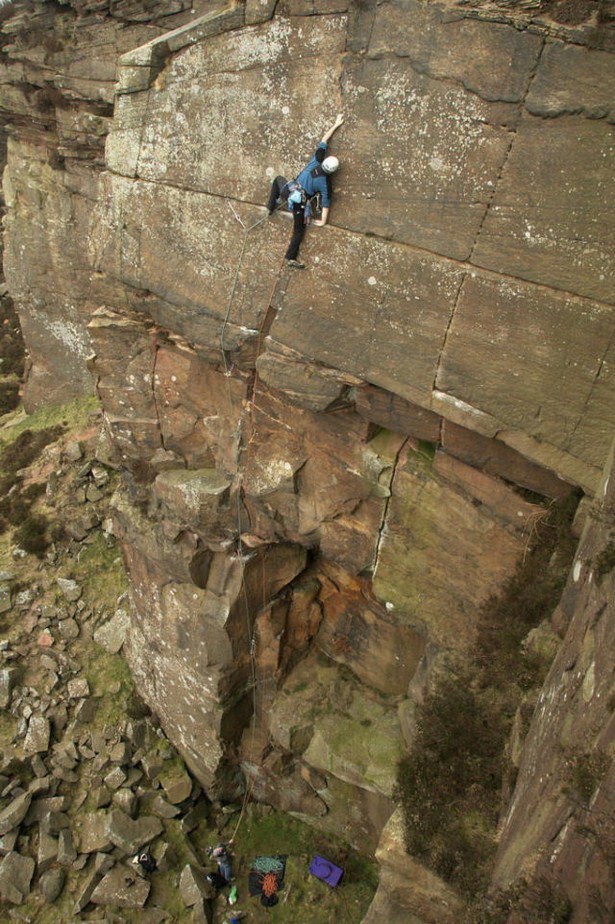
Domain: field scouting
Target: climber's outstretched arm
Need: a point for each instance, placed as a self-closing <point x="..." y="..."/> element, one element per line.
<point x="339" y="121"/>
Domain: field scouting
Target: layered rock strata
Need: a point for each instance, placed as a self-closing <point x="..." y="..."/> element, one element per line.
<point x="322" y="470"/>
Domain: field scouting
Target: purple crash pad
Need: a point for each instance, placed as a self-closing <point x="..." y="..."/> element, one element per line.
<point x="325" y="870"/>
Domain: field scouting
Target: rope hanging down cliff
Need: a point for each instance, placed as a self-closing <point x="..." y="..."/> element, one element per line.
<point x="241" y="556"/>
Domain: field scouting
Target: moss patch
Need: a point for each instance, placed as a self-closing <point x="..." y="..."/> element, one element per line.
<point x="449" y="786"/>
<point x="305" y="899"/>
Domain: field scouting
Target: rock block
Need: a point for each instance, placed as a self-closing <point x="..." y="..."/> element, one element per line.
<point x="51" y="884"/>
<point x="193" y="886"/>
<point x="488" y="58"/>
<point x="14" y="813"/>
<point x="131" y="835"/>
<point x="37" y="736"/>
<point x="16" y="873"/>
<point x="122" y="887"/>
<point x="546" y="341"/>
<point x="446" y="547"/>
<point x="93" y="833"/>
<point x="550" y="221"/>
<point x="360" y="315"/>
<point x="197" y="498"/>
<point x="8" y="677"/>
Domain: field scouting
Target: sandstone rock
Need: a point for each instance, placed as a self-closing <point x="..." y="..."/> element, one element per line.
<point x="40" y="808"/>
<point x="407" y="891"/>
<point x="131" y="835"/>
<point x="78" y="687"/>
<point x="5" y="598"/>
<point x="177" y="786"/>
<point x="112" y="634"/>
<point x="71" y="590"/>
<point x="93" y="832"/>
<point x="427" y="527"/>
<point x="68" y="629"/>
<point x="102" y="865"/>
<point x="15" y="812"/>
<point x="93" y="494"/>
<point x="122" y="887"/>
<point x="195" y="497"/>
<point x="115" y="778"/>
<point x="101" y="797"/>
<point x="85" y="710"/>
<point x="126" y="800"/>
<point x="8" y="842"/>
<point x="51" y="884"/>
<point x="159" y="806"/>
<point x="47" y="852"/>
<point x="16" y="873"/>
<point x="8" y="678"/>
<point x="38" y="735"/>
<point x="55" y="822"/>
<point x="38" y="766"/>
<point x="193" y="886"/>
<point x="66" y="849"/>
<point x="73" y="451"/>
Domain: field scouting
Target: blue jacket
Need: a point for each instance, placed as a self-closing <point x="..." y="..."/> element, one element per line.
<point x="314" y="184"/>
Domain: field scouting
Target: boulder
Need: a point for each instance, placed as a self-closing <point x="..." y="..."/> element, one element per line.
<point x="51" y="884"/>
<point x="121" y="887"/>
<point x="115" y="778"/>
<point x="5" y="598"/>
<point x="15" y="812"/>
<point x="407" y="891"/>
<point x="102" y="864"/>
<point x="177" y="786"/>
<point x="73" y="451"/>
<point x="16" y="874"/>
<point x="126" y="800"/>
<point x="8" y="676"/>
<point x="66" y="848"/>
<point x="129" y="835"/>
<point x="68" y="629"/>
<point x="47" y="851"/>
<point x="193" y="886"/>
<point x="112" y="634"/>
<point x="71" y="590"/>
<point x="37" y="736"/>
<point x="93" y="832"/>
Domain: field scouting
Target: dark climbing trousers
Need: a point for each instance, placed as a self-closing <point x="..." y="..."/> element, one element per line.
<point x="279" y="190"/>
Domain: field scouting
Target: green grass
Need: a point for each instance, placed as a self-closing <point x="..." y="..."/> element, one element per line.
<point x="101" y="571"/>
<point x="74" y="415"/>
<point x="305" y="899"/>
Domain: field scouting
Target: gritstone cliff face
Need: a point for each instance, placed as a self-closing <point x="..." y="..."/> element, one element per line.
<point x="322" y="469"/>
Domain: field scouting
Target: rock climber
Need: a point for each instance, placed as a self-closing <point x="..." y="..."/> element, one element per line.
<point x="314" y="178"/>
<point x="221" y="855"/>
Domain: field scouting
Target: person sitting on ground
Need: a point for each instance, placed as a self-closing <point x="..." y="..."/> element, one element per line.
<point x="146" y="861"/>
<point x="314" y="178"/>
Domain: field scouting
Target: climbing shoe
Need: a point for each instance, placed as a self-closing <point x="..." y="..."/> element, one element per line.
<point x="296" y="264"/>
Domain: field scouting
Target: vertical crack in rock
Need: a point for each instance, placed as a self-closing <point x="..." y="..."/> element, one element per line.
<point x="445" y="336"/>
<point x="583" y="413"/>
<point x="383" y="521"/>
<point x="155" y="396"/>
<point x="507" y="152"/>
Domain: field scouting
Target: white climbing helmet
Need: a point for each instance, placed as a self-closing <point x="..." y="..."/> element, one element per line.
<point x="330" y="164"/>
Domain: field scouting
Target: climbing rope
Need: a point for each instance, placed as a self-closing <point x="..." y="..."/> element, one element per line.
<point x="242" y="558"/>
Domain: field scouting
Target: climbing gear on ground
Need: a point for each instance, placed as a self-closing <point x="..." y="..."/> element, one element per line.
<point x="330" y="164"/>
<point x="296" y="264"/>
